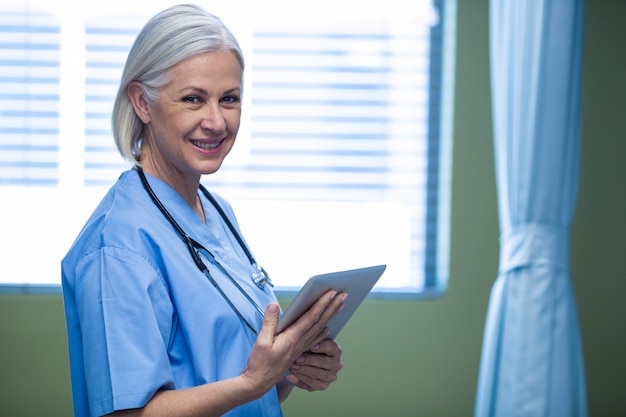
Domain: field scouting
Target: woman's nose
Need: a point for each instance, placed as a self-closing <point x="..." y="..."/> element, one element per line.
<point x="212" y="118"/>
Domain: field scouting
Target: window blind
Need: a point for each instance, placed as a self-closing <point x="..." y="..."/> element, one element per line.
<point x="339" y="159"/>
<point x="108" y="41"/>
<point x="29" y="99"/>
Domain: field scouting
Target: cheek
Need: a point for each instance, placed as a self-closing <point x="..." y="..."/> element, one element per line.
<point x="178" y="122"/>
<point x="234" y="121"/>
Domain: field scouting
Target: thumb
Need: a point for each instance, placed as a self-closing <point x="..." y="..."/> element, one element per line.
<point x="270" y="319"/>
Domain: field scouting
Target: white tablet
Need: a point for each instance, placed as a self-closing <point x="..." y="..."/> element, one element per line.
<point x="357" y="283"/>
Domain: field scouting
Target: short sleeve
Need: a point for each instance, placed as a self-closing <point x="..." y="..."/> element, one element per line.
<point x="126" y="317"/>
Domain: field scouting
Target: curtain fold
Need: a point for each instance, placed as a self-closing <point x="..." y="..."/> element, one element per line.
<point x="532" y="361"/>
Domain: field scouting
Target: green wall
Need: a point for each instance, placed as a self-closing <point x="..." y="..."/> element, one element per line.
<point x="599" y="228"/>
<point x="409" y="358"/>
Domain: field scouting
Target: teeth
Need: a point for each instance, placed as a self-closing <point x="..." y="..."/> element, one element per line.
<point x="204" y="145"/>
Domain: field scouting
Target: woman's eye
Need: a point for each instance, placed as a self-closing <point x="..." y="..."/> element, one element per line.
<point x="191" y="99"/>
<point x="231" y="99"/>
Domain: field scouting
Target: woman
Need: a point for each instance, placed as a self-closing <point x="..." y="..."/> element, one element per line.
<point x="150" y="332"/>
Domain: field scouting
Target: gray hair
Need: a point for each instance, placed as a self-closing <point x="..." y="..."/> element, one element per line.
<point x="170" y="37"/>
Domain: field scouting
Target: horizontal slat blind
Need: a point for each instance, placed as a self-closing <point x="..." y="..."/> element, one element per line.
<point x="29" y="99"/>
<point x="108" y="41"/>
<point x="336" y="115"/>
<point x="339" y="111"/>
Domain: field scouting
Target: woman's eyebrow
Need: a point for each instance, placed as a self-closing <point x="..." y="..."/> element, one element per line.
<point x="194" y="89"/>
<point x="233" y="90"/>
<point x="205" y="92"/>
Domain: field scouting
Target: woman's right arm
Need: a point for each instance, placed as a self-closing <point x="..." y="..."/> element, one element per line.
<point x="212" y="399"/>
<point x="270" y="358"/>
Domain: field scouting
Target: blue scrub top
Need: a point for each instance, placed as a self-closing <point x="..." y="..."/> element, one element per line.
<point x="141" y="316"/>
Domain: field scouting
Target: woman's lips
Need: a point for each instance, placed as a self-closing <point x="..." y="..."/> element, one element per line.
<point x="207" y="145"/>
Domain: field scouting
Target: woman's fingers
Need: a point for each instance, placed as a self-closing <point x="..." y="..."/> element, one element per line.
<point x="318" y="368"/>
<point x="311" y="327"/>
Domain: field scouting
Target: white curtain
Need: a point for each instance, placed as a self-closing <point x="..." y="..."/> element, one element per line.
<point x="532" y="361"/>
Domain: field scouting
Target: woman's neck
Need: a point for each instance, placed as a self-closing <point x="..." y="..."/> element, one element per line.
<point x="185" y="185"/>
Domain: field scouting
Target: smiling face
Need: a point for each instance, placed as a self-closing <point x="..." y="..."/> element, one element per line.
<point x="192" y="126"/>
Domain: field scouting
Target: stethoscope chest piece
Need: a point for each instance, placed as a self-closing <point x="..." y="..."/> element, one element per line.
<point x="260" y="277"/>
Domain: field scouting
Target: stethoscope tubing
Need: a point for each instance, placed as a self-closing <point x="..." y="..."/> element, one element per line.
<point x="193" y="244"/>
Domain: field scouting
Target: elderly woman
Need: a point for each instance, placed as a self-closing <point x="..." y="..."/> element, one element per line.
<point x="162" y="295"/>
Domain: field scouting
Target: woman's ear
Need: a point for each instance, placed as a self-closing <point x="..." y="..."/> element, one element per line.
<point x="138" y="100"/>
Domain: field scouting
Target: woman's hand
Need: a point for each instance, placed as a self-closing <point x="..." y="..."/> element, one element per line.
<point x="273" y="354"/>
<point x="317" y="368"/>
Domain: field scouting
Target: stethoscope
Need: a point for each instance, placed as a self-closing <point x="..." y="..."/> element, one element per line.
<point x="259" y="276"/>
